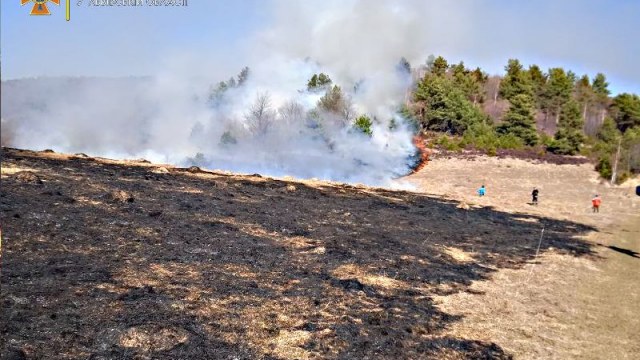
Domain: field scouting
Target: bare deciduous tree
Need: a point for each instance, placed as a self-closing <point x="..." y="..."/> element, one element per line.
<point x="291" y="113"/>
<point x="260" y="115"/>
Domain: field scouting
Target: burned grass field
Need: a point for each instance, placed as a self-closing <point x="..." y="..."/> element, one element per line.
<point x="116" y="260"/>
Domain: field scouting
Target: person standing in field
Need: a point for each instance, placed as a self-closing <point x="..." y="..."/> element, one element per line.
<point x="482" y="191"/>
<point x="534" y="196"/>
<point x="596" y="203"/>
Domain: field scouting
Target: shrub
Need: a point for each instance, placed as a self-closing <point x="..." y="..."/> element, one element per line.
<point x="561" y="146"/>
<point x="604" y="167"/>
<point x="363" y="124"/>
<point x="447" y="143"/>
<point x="623" y="176"/>
<point x="510" y="141"/>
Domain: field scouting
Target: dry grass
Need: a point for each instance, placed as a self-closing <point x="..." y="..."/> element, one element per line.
<point x="559" y="306"/>
<point x="208" y="265"/>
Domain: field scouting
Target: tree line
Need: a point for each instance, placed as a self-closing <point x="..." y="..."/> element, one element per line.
<point x="554" y="111"/>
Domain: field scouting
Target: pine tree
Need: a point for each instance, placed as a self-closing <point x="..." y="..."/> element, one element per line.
<point x="605" y="147"/>
<point x="519" y="121"/>
<point x="480" y="79"/>
<point x="469" y="82"/>
<point x="601" y="89"/>
<point x="516" y="81"/>
<point x="584" y="94"/>
<point x="557" y="92"/>
<point x="569" y="137"/>
<point x="243" y="76"/>
<point x="313" y="82"/>
<point x="440" y="66"/>
<point x="324" y="79"/>
<point x="336" y="102"/>
<point x="608" y="131"/>
<point x="626" y="111"/>
<point x="445" y="107"/>
<point x="538" y="81"/>
<point x="600" y="85"/>
<point x="318" y="82"/>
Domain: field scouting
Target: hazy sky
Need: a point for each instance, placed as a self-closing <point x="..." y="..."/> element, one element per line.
<point x="587" y="36"/>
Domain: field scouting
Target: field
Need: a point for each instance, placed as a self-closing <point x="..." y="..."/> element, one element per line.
<point x="562" y="306"/>
<point x="106" y="259"/>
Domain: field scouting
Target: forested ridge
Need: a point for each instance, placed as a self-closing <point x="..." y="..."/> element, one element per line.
<point x="553" y="111"/>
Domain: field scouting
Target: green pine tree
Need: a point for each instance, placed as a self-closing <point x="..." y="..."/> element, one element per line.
<point x="519" y="121"/>
<point x="600" y="85"/>
<point x="445" y="107"/>
<point x="516" y="81"/>
<point x="626" y="111"/>
<point x="440" y="66"/>
<point x="557" y="92"/>
<point x="538" y="81"/>
<point x="569" y="137"/>
<point x="469" y="82"/>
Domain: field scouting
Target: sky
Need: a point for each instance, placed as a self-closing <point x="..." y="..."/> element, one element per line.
<point x="219" y="37"/>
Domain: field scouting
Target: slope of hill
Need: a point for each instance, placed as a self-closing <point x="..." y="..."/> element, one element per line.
<point x="561" y="307"/>
<point x="113" y="259"/>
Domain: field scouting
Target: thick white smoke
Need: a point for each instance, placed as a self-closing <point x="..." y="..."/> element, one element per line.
<point x="171" y="117"/>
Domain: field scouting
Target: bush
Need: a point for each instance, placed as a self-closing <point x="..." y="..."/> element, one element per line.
<point x="510" y="141"/>
<point x="546" y="140"/>
<point x="604" y="167"/>
<point x="623" y="176"/>
<point x="450" y="144"/>
<point x="562" y="146"/>
<point x="363" y="124"/>
<point x="483" y="136"/>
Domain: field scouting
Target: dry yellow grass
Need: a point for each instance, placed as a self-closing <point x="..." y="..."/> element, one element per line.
<point x="559" y="306"/>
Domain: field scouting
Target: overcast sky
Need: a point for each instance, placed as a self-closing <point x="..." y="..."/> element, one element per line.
<point x="586" y="36"/>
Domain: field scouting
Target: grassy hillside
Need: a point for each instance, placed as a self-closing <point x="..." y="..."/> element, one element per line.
<point x="112" y="259"/>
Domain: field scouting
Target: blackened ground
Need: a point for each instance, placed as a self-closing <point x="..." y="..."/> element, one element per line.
<point x="117" y="260"/>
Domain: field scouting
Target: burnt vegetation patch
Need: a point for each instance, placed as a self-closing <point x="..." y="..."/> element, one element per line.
<point x="206" y="265"/>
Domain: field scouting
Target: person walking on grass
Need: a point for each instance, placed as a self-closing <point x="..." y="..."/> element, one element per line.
<point x="596" y="203"/>
<point x="534" y="196"/>
<point x="482" y="191"/>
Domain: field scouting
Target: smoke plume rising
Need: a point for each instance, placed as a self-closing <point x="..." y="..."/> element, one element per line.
<point x="266" y="121"/>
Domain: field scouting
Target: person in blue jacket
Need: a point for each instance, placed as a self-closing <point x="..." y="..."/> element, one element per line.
<point x="482" y="191"/>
